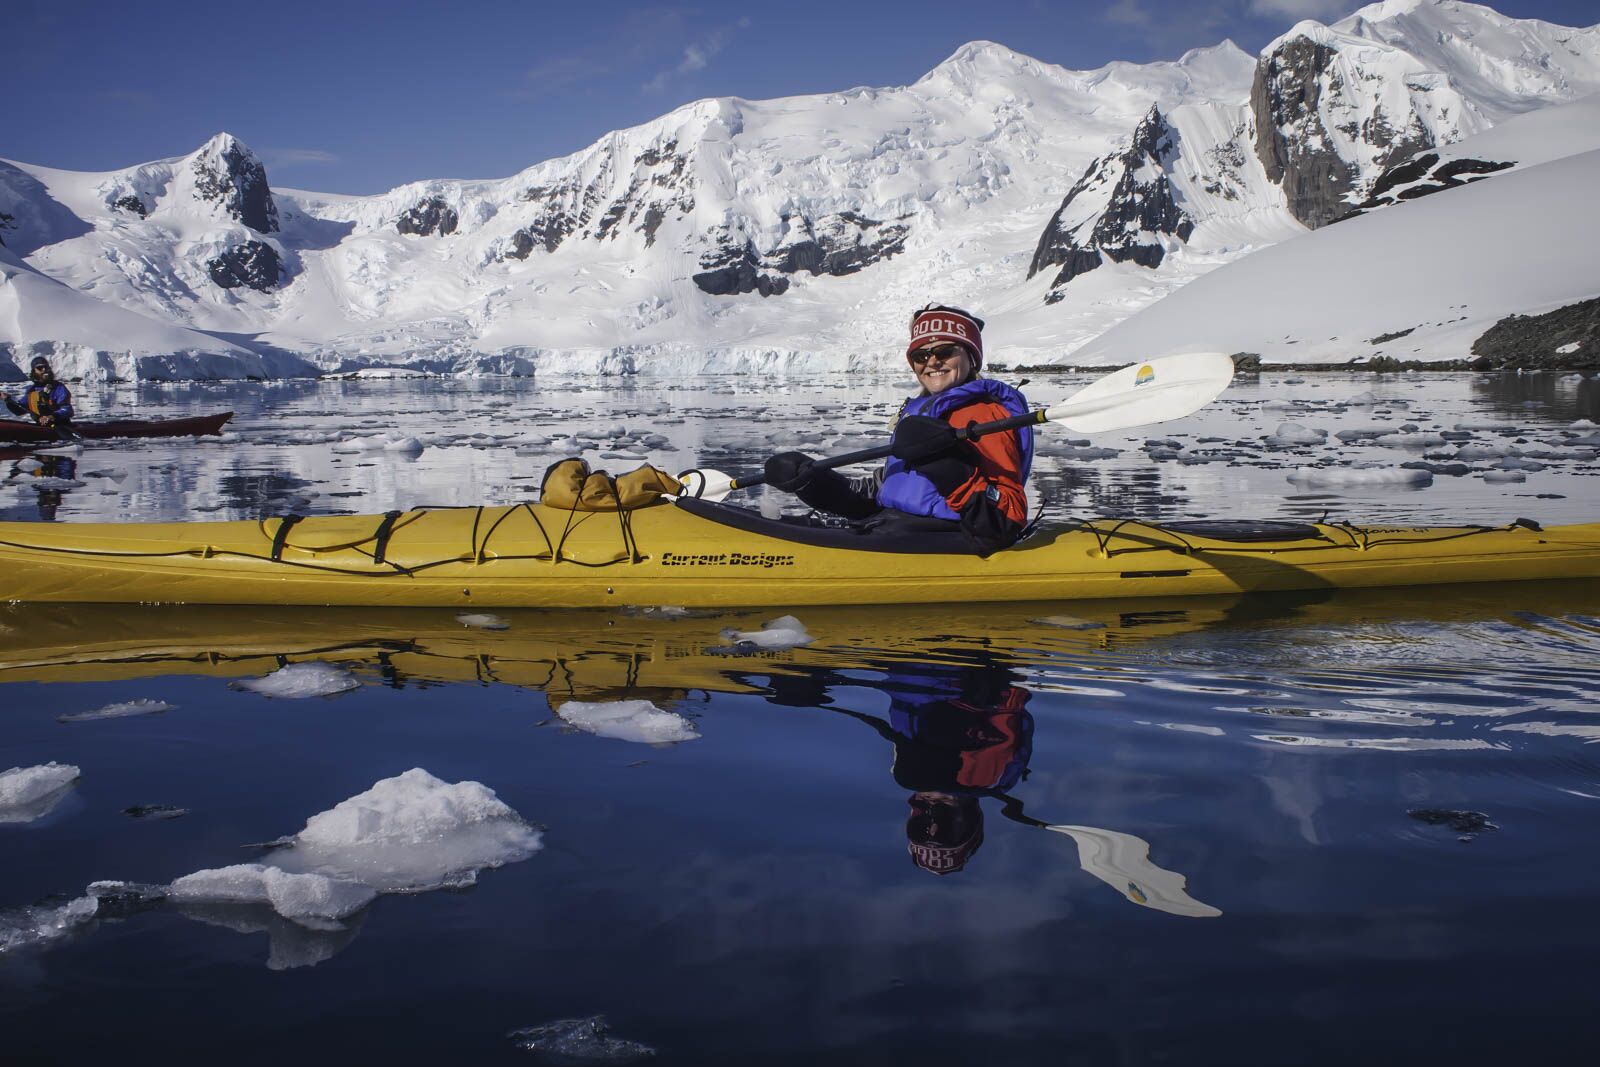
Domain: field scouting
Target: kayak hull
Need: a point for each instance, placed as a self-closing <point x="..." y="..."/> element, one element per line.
<point x="197" y="426"/>
<point x="533" y="556"/>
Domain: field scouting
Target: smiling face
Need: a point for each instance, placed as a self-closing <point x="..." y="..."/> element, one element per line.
<point x="941" y="366"/>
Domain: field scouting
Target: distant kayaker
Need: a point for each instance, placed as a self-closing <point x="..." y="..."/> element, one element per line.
<point x="46" y="400"/>
<point x="933" y="480"/>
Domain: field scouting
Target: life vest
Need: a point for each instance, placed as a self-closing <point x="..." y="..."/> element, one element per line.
<point x="959" y="731"/>
<point x="44" y="400"/>
<point x="907" y="490"/>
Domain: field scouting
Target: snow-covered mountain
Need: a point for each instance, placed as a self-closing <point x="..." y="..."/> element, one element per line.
<point x="791" y="234"/>
<point x="1419" y="280"/>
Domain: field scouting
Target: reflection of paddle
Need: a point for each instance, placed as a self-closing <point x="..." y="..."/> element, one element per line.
<point x="1155" y="391"/>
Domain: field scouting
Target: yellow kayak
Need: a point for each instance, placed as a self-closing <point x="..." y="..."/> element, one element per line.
<point x="694" y="553"/>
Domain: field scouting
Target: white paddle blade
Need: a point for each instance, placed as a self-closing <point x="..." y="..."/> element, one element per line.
<point x="704" y="484"/>
<point x="1156" y="390"/>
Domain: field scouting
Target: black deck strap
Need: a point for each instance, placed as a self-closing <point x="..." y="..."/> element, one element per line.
<point x="380" y="537"/>
<point x="279" y="538"/>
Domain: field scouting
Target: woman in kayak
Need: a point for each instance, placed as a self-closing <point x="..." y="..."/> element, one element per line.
<point x="933" y="480"/>
<point x="46" y="401"/>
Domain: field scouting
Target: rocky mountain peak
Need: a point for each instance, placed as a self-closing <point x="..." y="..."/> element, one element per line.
<point x="1122" y="209"/>
<point x="228" y="175"/>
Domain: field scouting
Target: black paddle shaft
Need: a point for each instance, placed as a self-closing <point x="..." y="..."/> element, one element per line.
<point x="964" y="433"/>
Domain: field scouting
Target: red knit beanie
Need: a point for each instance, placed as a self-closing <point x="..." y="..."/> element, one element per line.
<point x="937" y="324"/>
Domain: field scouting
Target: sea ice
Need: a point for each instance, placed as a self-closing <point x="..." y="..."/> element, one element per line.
<point x="410" y="833"/>
<point x="1291" y="434"/>
<point x="579" y="1041"/>
<point x="119" y="711"/>
<point x="28" y="793"/>
<point x="628" y="720"/>
<point x="36" y="925"/>
<point x="1500" y="477"/>
<point x="301" y="680"/>
<point x="305" y="898"/>
<point x="1336" y="477"/>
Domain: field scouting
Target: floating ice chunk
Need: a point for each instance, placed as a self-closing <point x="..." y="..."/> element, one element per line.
<point x="1409" y="440"/>
<point x="1499" y="476"/>
<point x="1335" y="477"/>
<point x="410" y="833"/>
<point x="482" y="621"/>
<point x="628" y="720"/>
<point x="1362" y="400"/>
<point x="305" y="898"/>
<point x="33" y="926"/>
<point x="579" y="1041"/>
<point x="1584" y="424"/>
<point x="1474" y="453"/>
<point x="1291" y="434"/>
<point x="382" y="442"/>
<point x="784" y="632"/>
<point x="29" y="793"/>
<point x="119" y="711"/>
<point x="299" y="680"/>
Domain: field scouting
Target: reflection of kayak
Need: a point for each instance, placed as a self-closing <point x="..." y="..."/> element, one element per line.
<point x="614" y="655"/>
<point x="197" y="426"/>
<point x="711" y="555"/>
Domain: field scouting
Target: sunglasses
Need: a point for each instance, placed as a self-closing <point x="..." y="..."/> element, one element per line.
<point x="920" y="357"/>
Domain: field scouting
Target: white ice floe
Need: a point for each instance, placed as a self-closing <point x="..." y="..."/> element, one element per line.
<point x="28" y="793"/>
<point x="1350" y="477"/>
<point x="1497" y="477"/>
<point x="628" y="720"/>
<point x="121" y="710"/>
<point x="482" y="621"/>
<point x="784" y="632"/>
<point x="33" y="926"/>
<point x="410" y="833"/>
<point x="305" y="898"/>
<point x="1291" y="434"/>
<point x="1408" y="440"/>
<point x="383" y="442"/>
<point x="299" y="680"/>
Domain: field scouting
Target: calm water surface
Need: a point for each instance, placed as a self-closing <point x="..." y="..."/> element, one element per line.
<point x="1293" y="829"/>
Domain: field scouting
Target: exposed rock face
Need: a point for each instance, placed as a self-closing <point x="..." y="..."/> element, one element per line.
<point x="1119" y="210"/>
<point x="659" y="187"/>
<point x="254" y="264"/>
<point x="1424" y="176"/>
<point x="228" y="174"/>
<point x="6" y="221"/>
<point x="131" y="204"/>
<point x="1567" y="337"/>
<point x="1309" y="100"/>
<point x="1291" y="140"/>
<point x="429" y="217"/>
<point x="837" y="244"/>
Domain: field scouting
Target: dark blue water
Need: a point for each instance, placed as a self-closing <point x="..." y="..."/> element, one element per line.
<point x="751" y="895"/>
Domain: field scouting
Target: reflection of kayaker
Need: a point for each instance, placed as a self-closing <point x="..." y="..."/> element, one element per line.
<point x="59" y="469"/>
<point x="962" y="733"/>
<point x="46" y="401"/>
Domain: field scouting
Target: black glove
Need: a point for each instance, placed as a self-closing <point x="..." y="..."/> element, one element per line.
<point x="789" y="471"/>
<point x="15" y="408"/>
<point x="918" y="437"/>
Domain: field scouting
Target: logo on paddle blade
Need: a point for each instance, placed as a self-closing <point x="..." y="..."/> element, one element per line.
<point x="1144" y="377"/>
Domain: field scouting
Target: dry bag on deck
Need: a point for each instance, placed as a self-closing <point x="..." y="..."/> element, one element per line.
<point x="571" y="486"/>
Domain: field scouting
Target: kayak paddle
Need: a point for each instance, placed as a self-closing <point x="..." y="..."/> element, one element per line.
<point x="1157" y="390"/>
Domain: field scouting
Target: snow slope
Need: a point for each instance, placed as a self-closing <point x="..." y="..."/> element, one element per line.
<point x="1444" y="268"/>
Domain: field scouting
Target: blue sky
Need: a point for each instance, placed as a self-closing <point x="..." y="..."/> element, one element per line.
<point x="358" y="96"/>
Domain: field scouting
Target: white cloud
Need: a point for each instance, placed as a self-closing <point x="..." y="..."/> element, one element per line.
<point x="1127" y="13"/>
<point x="696" y="55"/>
<point x="291" y="157"/>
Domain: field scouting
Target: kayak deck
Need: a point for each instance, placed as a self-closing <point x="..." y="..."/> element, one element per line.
<point x="529" y="555"/>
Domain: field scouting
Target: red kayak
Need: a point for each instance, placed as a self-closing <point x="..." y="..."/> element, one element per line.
<point x="198" y="426"/>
